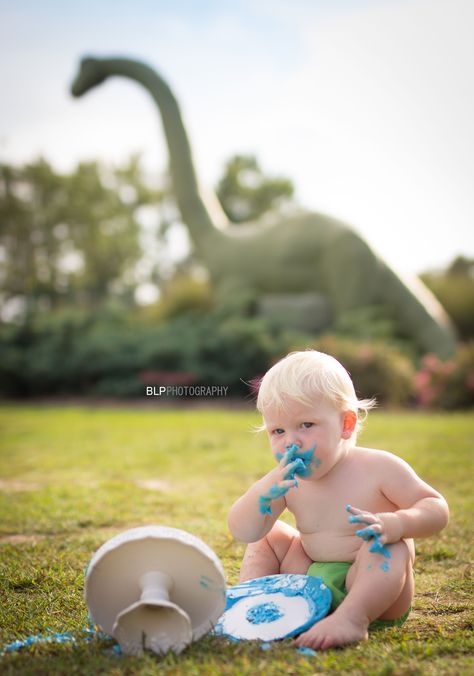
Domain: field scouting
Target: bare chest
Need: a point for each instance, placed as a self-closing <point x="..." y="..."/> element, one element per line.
<point x="320" y="506"/>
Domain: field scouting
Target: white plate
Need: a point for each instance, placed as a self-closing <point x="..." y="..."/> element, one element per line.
<point x="274" y="607"/>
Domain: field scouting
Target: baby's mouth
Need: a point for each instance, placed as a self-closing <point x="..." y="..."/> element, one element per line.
<point x="305" y="458"/>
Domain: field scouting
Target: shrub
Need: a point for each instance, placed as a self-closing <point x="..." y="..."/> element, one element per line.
<point x="77" y="353"/>
<point x="447" y="384"/>
<point x="377" y="369"/>
<point x="184" y="294"/>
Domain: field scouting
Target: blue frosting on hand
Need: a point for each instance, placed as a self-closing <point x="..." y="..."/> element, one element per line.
<point x="300" y="466"/>
<point x="379" y="548"/>
<point x="358" y="519"/>
<point x="303" y="468"/>
<point x="368" y="534"/>
<point x="274" y="493"/>
<point x="376" y="547"/>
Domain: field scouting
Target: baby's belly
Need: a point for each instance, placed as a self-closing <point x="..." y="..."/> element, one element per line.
<point x="325" y="546"/>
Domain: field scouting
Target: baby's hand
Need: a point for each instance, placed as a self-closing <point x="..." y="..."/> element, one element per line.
<point x="288" y="467"/>
<point x="284" y="476"/>
<point x="384" y="528"/>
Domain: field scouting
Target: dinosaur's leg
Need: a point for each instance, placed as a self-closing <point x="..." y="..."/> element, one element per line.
<point x="308" y="312"/>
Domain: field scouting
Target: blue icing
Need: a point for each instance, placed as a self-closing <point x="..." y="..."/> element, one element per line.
<point x="384" y="566"/>
<point x="357" y="519"/>
<point x="88" y="634"/>
<point x="274" y="492"/>
<point x="206" y="581"/>
<point x="263" y="613"/>
<point x="297" y="468"/>
<point x="306" y="651"/>
<point x="379" y="548"/>
<point x="311" y="588"/>
<point x="368" y="534"/>
<point x="303" y="468"/>
<point x="376" y="547"/>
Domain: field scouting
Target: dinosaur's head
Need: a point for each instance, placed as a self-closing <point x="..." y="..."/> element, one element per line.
<point x="91" y="73"/>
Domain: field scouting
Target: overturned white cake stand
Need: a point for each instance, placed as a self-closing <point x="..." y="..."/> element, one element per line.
<point x="155" y="588"/>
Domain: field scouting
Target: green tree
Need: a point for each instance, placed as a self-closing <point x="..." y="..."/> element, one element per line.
<point x="78" y="238"/>
<point x="70" y="238"/>
<point x="246" y="192"/>
<point x="454" y="288"/>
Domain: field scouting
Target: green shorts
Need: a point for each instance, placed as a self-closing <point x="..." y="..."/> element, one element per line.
<point x="334" y="575"/>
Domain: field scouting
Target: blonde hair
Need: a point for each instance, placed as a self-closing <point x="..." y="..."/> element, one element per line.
<point x="305" y="376"/>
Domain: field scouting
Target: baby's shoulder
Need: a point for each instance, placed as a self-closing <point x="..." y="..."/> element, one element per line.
<point x="377" y="457"/>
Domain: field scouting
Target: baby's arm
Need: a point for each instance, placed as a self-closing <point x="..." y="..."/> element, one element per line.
<point x="422" y="511"/>
<point x="252" y="516"/>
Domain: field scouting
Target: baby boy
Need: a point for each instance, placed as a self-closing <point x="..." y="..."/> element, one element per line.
<point x="356" y="509"/>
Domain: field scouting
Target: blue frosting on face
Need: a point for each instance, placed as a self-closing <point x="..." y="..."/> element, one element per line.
<point x="303" y="468"/>
<point x="300" y="466"/>
<point x="263" y="613"/>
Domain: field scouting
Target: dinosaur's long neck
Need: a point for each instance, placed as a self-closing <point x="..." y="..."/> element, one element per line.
<point x="194" y="210"/>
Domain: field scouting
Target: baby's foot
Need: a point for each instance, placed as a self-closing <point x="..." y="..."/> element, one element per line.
<point x="335" y="630"/>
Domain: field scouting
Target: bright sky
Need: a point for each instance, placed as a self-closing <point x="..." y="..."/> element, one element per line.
<point x="367" y="105"/>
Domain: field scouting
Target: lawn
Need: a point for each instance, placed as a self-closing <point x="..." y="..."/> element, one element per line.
<point x="72" y="477"/>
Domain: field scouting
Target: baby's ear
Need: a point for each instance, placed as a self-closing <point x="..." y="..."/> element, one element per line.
<point x="348" y="425"/>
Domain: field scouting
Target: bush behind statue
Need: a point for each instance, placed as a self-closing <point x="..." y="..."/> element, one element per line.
<point x="377" y="369"/>
<point x="79" y="353"/>
<point x="90" y="353"/>
<point x="449" y="384"/>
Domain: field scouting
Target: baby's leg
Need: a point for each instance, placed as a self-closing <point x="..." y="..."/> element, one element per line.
<point x="374" y="592"/>
<point x="280" y="551"/>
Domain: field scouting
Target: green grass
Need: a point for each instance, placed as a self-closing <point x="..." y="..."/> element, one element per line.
<point x="71" y="479"/>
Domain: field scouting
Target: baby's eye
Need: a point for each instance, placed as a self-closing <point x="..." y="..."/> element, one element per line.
<point x="307" y="425"/>
<point x="278" y="430"/>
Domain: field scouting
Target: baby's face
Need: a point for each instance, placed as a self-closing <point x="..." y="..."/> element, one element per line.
<point x="319" y="426"/>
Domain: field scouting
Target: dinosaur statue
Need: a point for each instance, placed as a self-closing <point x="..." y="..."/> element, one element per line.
<point x="306" y="261"/>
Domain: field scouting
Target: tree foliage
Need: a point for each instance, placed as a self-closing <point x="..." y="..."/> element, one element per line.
<point x="246" y="192"/>
<point x="77" y="239"/>
<point x="454" y="288"/>
<point x="69" y="238"/>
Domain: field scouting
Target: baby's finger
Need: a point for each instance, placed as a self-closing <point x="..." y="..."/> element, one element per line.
<point x="363" y="517"/>
<point x="286" y="459"/>
<point x="356" y="510"/>
<point x="293" y="467"/>
<point x="369" y="532"/>
<point x="288" y="483"/>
